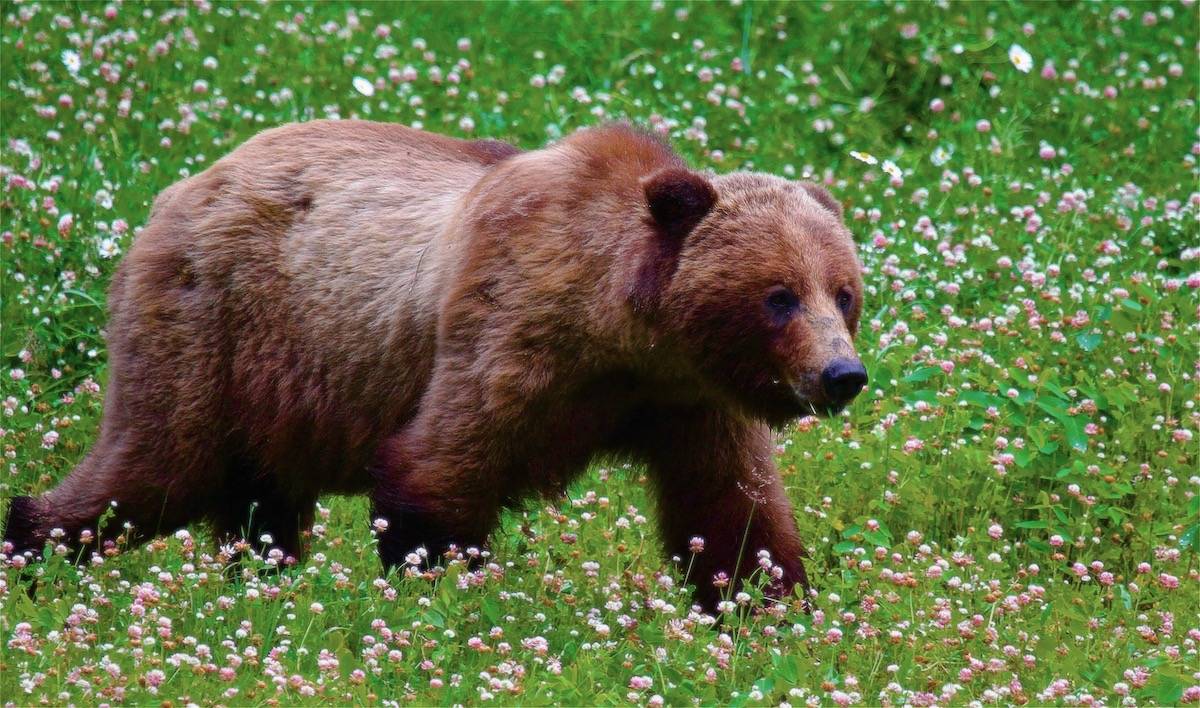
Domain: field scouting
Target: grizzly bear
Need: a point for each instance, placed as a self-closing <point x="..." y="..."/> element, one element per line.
<point x="453" y="326"/>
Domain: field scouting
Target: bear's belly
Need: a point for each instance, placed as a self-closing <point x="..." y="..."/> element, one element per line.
<point x="316" y="421"/>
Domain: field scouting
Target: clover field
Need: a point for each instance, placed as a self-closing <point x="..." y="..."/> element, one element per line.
<point x="1009" y="515"/>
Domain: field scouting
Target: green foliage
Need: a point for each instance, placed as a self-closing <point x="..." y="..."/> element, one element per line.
<point x="1010" y="514"/>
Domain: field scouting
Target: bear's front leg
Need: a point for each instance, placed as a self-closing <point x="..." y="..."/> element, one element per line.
<point x="721" y="502"/>
<point x="430" y="498"/>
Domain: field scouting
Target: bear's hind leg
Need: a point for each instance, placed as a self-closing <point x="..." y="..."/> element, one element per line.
<point x="22" y="529"/>
<point x="131" y="479"/>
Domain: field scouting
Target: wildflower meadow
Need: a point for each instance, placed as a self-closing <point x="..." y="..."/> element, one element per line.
<point x="1008" y="515"/>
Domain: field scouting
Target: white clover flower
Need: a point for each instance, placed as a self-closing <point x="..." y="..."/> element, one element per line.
<point x="1020" y="58"/>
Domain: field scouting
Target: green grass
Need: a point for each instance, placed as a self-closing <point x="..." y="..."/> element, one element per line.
<point x="1010" y="515"/>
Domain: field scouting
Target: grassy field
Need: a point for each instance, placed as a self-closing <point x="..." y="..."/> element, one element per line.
<point x="1009" y="515"/>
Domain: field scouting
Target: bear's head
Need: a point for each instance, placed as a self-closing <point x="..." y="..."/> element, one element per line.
<point x="757" y="280"/>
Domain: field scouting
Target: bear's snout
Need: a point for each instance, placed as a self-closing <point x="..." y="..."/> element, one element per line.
<point x="842" y="380"/>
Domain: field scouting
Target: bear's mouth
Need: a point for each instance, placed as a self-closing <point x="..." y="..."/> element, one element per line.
<point x="782" y="402"/>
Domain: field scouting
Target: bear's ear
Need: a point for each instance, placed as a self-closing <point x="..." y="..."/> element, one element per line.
<point x="678" y="199"/>
<point x="824" y="198"/>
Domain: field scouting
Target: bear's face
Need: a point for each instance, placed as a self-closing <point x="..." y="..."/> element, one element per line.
<point x="766" y="296"/>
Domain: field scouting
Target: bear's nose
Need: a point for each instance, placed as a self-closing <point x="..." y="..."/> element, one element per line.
<point x="842" y="380"/>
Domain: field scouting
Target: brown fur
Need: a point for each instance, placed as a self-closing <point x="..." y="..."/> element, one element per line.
<point x="453" y="326"/>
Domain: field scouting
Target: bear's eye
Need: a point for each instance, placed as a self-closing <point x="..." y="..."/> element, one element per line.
<point x="845" y="301"/>
<point x="782" y="302"/>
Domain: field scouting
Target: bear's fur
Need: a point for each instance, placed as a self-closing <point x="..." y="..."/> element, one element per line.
<point x="453" y="326"/>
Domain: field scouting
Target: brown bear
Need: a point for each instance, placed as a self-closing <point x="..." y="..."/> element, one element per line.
<point x="452" y="326"/>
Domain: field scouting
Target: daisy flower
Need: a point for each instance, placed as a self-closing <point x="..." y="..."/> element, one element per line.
<point x="892" y="170"/>
<point x="71" y="60"/>
<point x="108" y="248"/>
<point x="1020" y="58"/>
<point x="863" y="157"/>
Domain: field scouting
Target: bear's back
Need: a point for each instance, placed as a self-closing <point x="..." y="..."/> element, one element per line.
<point x="315" y="249"/>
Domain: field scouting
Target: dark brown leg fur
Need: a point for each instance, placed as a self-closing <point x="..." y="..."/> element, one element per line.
<point x="21" y="529"/>
<point x="715" y="478"/>
<point x="115" y="471"/>
<point x="430" y="498"/>
<point x="254" y="505"/>
<point x="247" y="507"/>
